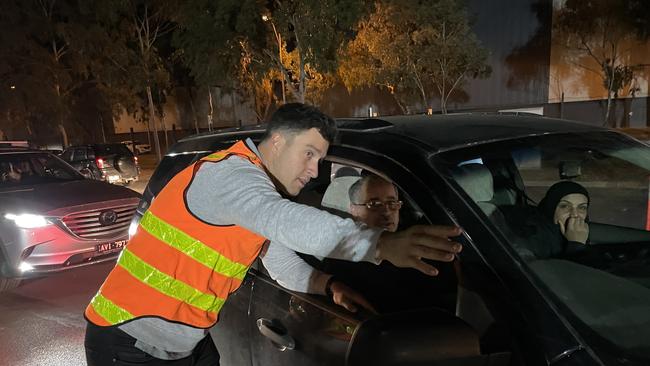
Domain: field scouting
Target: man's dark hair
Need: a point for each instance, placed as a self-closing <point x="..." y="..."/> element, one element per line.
<point x="298" y="117"/>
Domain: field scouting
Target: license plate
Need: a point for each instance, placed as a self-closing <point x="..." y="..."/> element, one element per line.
<point x="110" y="247"/>
<point x="113" y="178"/>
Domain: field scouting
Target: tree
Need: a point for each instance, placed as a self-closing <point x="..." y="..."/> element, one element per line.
<point x="414" y="48"/>
<point x="314" y="30"/>
<point x="600" y="34"/>
<point x="41" y="69"/>
<point x="222" y="43"/>
<point x="139" y="26"/>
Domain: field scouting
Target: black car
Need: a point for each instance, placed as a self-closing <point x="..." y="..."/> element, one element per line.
<point x="493" y="305"/>
<point x="112" y="162"/>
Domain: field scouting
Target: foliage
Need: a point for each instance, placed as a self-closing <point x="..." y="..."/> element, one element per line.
<point x="414" y="48"/>
<point x="314" y="30"/>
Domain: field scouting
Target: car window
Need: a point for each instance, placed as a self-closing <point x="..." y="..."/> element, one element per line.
<point x="387" y="287"/>
<point x="37" y="168"/>
<point x="112" y="149"/>
<point x="67" y="155"/>
<point x="575" y="209"/>
<point x="90" y="153"/>
<point x="79" y="154"/>
<point x="168" y="168"/>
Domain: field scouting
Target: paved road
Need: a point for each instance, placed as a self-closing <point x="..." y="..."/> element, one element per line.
<point x="41" y="322"/>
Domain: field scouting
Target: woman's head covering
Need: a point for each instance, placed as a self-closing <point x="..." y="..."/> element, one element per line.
<point x="554" y="194"/>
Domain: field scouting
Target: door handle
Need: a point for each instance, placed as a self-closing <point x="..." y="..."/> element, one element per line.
<point x="276" y="333"/>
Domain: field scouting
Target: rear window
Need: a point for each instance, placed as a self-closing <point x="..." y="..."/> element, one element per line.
<point x="112" y="149"/>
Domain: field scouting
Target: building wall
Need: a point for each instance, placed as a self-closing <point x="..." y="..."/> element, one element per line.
<point x="228" y="110"/>
<point x="517" y="35"/>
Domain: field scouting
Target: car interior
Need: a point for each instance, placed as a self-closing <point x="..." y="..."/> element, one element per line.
<point x="419" y="318"/>
<point x="616" y="257"/>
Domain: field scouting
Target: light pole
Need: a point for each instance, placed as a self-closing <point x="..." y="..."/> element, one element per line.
<point x="278" y="38"/>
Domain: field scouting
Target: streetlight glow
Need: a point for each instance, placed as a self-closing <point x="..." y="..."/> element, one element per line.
<point x="278" y="38"/>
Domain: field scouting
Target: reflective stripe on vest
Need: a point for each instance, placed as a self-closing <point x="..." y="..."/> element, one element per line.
<point x="200" y="269"/>
<point x="191" y="247"/>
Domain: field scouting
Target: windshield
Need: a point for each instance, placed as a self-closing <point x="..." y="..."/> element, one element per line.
<point x="20" y="169"/>
<point x="575" y="209"/>
<point x="112" y="149"/>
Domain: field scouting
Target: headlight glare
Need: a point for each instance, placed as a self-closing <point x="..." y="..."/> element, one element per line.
<point x="28" y="221"/>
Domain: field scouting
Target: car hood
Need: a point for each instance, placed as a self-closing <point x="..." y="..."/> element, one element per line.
<point x="45" y="198"/>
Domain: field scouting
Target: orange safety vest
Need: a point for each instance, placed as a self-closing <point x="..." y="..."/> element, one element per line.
<point x="176" y="266"/>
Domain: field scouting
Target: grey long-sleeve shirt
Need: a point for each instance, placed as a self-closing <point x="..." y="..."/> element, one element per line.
<point x="234" y="191"/>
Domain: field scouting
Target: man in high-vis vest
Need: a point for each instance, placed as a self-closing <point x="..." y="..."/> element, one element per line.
<point x="205" y="228"/>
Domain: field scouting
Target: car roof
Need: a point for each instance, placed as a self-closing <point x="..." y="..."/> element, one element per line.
<point x="445" y="132"/>
<point x="439" y="132"/>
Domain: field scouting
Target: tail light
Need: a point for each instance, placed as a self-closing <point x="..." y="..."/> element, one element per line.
<point x="135" y="159"/>
<point x="100" y="163"/>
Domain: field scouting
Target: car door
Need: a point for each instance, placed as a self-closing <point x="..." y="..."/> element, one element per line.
<point x="233" y="333"/>
<point x="292" y="328"/>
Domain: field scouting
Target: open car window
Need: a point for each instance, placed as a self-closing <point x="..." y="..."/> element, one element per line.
<point x="387" y="287"/>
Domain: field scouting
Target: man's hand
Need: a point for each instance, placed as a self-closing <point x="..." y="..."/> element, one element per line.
<point x="407" y="248"/>
<point x="349" y="298"/>
<point x="576" y="230"/>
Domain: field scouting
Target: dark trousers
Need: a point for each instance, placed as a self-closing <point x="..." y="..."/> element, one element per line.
<point x="111" y="346"/>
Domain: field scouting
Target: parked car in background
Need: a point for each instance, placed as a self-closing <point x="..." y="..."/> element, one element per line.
<point x="505" y="309"/>
<point x="53" y="219"/>
<point x="112" y="162"/>
<point x="137" y="147"/>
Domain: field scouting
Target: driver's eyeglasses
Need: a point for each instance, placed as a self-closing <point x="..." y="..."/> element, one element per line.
<point x="379" y="205"/>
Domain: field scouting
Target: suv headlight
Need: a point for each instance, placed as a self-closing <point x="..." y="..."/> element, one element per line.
<point x="28" y="221"/>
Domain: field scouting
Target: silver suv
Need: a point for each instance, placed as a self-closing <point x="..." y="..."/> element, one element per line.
<point x="53" y="219"/>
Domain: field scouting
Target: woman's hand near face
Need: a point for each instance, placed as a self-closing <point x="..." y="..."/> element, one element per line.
<point x="575" y="229"/>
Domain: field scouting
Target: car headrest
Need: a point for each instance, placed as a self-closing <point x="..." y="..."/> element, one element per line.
<point x="337" y="194"/>
<point x="476" y="180"/>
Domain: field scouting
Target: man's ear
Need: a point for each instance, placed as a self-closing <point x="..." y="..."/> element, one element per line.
<point x="277" y="140"/>
<point x="354" y="210"/>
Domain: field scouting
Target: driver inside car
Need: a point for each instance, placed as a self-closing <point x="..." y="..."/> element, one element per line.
<point x="375" y="202"/>
<point x="10" y="173"/>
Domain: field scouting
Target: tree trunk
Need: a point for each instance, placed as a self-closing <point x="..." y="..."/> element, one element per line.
<point x="196" y="120"/>
<point x="152" y="114"/>
<point x="63" y="134"/>
<point x="164" y="128"/>
<point x="400" y="104"/>
<point x="234" y="108"/>
<point x="608" y="108"/>
<point x="210" y="113"/>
